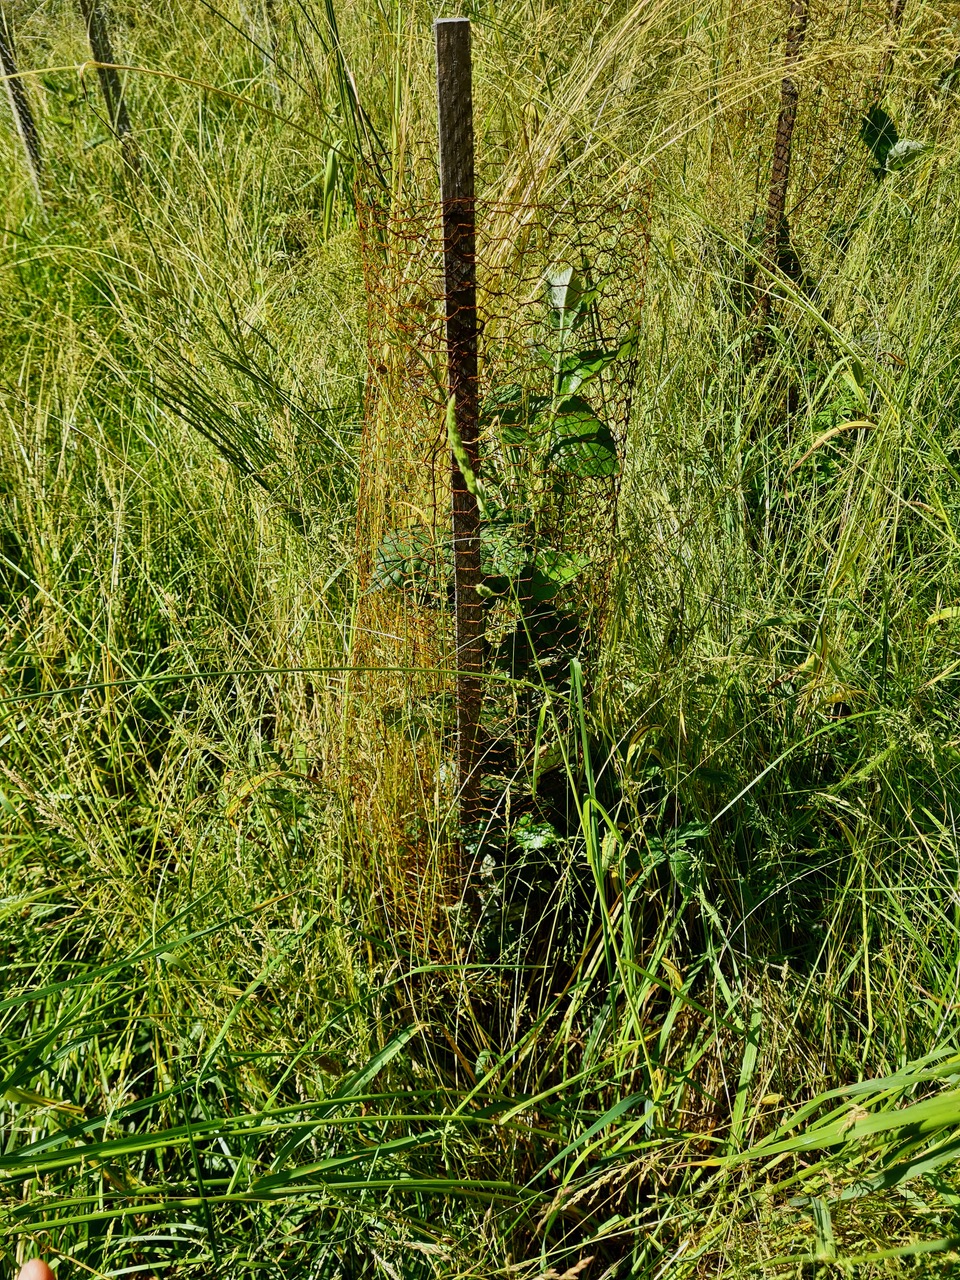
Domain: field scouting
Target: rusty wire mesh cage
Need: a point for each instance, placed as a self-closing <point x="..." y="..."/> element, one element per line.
<point x="560" y="297"/>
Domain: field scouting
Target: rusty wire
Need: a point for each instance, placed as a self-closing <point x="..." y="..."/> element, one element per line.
<point x="404" y="461"/>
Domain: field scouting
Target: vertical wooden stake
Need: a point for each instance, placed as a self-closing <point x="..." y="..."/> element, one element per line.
<point x="98" y="33"/>
<point x="776" y="229"/>
<point x="22" y="115"/>
<point x="455" y="106"/>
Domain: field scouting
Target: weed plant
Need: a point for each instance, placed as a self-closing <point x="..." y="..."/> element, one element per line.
<point x="700" y="1016"/>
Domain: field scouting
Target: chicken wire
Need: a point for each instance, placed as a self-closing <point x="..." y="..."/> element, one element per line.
<point x="559" y="301"/>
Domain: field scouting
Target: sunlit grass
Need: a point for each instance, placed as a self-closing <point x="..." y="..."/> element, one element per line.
<point x="700" y="1018"/>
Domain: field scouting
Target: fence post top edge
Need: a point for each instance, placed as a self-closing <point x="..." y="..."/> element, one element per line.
<point x="442" y="22"/>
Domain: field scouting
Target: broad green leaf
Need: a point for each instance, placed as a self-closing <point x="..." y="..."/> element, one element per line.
<point x="564" y="295"/>
<point x="903" y="153"/>
<point x="503" y="548"/>
<point x="568" y="300"/>
<point x="582" y="445"/>
<point x="556" y="569"/>
<point x="534" y="837"/>
<point x="541" y="586"/>
<point x="879" y="133"/>
<point x="580" y="367"/>
<point x="519" y="436"/>
<point x="411" y="557"/>
<point x="513" y="409"/>
<point x="503" y="404"/>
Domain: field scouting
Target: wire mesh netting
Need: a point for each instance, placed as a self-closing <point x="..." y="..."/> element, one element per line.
<point x="560" y="295"/>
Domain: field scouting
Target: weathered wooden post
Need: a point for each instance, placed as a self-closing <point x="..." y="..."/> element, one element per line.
<point x="20" y="107"/>
<point x="98" y="33"/>
<point x="776" y="234"/>
<point x="455" y="108"/>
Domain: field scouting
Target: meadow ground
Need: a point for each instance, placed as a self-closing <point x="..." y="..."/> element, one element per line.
<point x="698" y="1014"/>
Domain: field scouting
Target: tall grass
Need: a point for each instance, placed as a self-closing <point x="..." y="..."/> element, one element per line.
<point x="702" y="1020"/>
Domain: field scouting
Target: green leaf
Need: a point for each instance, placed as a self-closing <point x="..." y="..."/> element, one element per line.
<point x="503" y="548"/>
<point x="852" y="1124"/>
<point x="826" y="1246"/>
<point x="555" y="570"/>
<point x="582" y="444"/>
<point x="503" y="404"/>
<point x="359" y="1080"/>
<point x="674" y="849"/>
<point x="410" y="557"/>
<point x="580" y="367"/>
<point x="919" y="1164"/>
<point x="519" y="436"/>
<point x="534" y="837"/>
<point x="903" y="153"/>
<point x="512" y="409"/>
<point x="568" y="299"/>
<point x="608" y="1118"/>
<point x="540" y="587"/>
<point x="564" y="296"/>
<point x="330" y="177"/>
<point x="751" y="1051"/>
<point x="879" y="133"/>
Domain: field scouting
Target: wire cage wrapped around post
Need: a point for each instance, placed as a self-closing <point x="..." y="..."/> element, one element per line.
<point x="559" y="298"/>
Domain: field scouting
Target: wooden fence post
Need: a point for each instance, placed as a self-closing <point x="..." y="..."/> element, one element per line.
<point x="776" y="227"/>
<point x="455" y="109"/>
<point x="19" y="105"/>
<point x="98" y="33"/>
